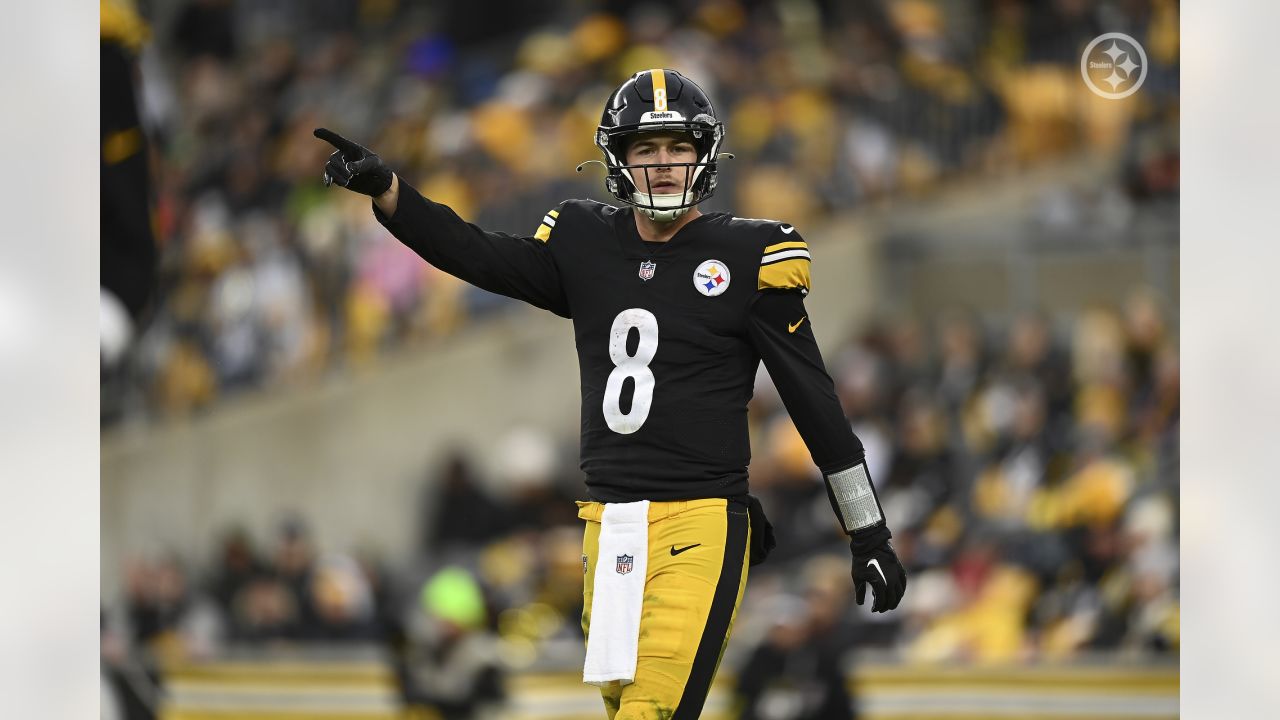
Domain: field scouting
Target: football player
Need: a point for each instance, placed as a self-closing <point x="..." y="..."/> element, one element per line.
<point x="673" y="310"/>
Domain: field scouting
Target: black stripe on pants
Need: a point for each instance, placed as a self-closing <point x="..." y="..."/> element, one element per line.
<point x="717" y="627"/>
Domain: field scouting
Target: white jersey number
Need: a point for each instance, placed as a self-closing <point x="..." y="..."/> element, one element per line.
<point x="635" y="367"/>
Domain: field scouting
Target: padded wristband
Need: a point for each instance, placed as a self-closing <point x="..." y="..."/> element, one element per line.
<point x="854" y="498"/>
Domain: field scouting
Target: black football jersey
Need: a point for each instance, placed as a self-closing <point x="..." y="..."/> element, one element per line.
<point x="669" y="335"/>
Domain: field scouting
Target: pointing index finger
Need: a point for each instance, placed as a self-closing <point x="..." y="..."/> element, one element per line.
<point x="348" y="148"/>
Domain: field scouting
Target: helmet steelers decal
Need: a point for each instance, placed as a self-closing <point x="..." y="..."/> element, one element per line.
<point x="711" y="278"/>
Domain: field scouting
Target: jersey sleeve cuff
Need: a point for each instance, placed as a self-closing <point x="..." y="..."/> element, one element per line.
<point x="409" y="204"/>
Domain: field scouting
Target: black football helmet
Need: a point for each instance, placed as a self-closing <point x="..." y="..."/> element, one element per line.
<point x="649" y="101"/>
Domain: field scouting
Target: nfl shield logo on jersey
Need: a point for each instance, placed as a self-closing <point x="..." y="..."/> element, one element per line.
<point x="625" y="563"/>
<point x="646" y="269"/>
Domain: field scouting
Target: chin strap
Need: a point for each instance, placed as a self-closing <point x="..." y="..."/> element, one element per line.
<point x="658" y="213"/>
<point x="663" y="215"/>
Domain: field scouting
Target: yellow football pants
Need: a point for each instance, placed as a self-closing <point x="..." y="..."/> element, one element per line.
<point x="697" y="571"/>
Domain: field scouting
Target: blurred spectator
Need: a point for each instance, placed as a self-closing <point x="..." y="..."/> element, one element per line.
<point x="1031" y="355"/>
<point x="158" y="598"/>
<point x="799" y="671"/>
<point x="452" y="664"/>
<point x="962" y="352"/>
<point x="293" y="572"/>
<point x="985" y="622"/>
<point x="127" y="243"/>
<point x="204" y="28"/>
<point x="460" y="512"/>
<point x="265" y="610"/>
<point x="169" y="620"/>
<point x="238" y="566"/>
<point x="925" y="468"/>
<point x="129" y="252"/>
<point x="537" y="495"/>
<point x="130" y="690"/>
<point x="343" y="601"/>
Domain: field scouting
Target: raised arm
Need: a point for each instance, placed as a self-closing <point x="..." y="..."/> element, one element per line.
<point x="518" y="267"/>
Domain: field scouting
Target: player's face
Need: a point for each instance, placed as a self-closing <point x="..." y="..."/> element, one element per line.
<point x="658" y="150"/>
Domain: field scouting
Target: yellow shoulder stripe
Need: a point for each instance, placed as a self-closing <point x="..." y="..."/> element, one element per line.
<point x="548" y="222"/>
<point x="786" y="246"/>
<point x="785" y="275"/>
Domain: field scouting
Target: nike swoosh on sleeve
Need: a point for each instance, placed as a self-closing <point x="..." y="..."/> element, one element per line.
<point x="787" y="229"/>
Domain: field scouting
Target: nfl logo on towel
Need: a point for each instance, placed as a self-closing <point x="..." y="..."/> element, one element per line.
<point x="625" y="563"/>
<point x="646" y="269"/>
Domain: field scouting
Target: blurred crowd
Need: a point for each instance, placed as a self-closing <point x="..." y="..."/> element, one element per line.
<point x="1029" y="470"/>
<point x="1030" y="477"/>
<point x="268" y="278"/>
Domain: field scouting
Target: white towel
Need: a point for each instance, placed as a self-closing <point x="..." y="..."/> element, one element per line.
<point x="618" y="594"/>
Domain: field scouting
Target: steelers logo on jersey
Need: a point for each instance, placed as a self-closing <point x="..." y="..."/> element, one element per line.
<point x="711" y="278"/>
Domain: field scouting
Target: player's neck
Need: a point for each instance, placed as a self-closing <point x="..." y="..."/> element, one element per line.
<point x="654" y="231"/>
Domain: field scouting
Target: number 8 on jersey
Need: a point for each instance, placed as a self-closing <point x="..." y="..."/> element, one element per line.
<point x="635" y="367"/>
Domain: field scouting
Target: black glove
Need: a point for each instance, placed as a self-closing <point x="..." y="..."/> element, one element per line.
<point x="354" y="167"/>
<point x="874" y="562"/>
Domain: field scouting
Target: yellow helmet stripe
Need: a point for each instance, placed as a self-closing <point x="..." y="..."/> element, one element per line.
<point x="659" y="77"/>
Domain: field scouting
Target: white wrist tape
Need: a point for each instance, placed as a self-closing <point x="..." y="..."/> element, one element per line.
<point x="855" y="498"/>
